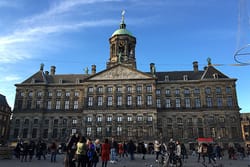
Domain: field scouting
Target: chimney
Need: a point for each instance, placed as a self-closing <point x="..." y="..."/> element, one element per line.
<point x="41" y="67"/>
<point x="52" y="70"/>
<point x="93" y="69"/>
<point x="152" y="69"/>
<point x="195" y="66"/>
<point x="46" y="72"/>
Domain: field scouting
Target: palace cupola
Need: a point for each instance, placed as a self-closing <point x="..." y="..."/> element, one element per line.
<point x="122" y="47"/>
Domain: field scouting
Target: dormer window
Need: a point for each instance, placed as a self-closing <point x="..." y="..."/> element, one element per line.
<point x="215" y="75"/>
<point x="185" y="77"/>
<point x="60" y="81"/>
<point x="77" y="80"/>
<point x="166" y="78"/>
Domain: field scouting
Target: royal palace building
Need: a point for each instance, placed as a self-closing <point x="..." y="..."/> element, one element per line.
<point x="126" y="103"/>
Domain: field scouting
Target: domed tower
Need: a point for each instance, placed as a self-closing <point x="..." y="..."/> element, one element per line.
<point x="122" y="47"/>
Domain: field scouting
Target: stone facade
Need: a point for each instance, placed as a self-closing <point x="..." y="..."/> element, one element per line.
<point x="126" y="103"/>
<point x="245" y="125"/>
<point x="5" y="113"/>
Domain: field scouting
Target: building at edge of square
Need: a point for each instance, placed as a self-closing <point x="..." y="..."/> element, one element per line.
<point x="123" y="102"/>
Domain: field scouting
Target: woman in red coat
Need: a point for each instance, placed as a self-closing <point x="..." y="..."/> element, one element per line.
<point x="105" y="150"/>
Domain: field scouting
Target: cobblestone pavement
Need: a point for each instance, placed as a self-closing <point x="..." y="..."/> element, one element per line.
<point x="124" y="162"/>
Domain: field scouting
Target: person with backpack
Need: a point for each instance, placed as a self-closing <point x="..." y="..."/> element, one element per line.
<point x="81" y="152"/>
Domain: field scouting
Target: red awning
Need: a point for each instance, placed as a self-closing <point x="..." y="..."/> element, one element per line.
<point x="205" y="140"/>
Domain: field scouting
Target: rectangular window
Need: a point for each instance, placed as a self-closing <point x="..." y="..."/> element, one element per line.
<point x="139" y="100"/>
<point x="119" y="131"/>
<point x="89" y="119"/>
<point x="108" y="131"/>
<point x="218" y="90"/>
<point x="39" y="94"/>
<point x="109" y="119"/>
<point x="29" y="104"/>
<point x="168" y="103"/>
<point x="75" y="104"/>
<point x="119" y="100"/>
<point x="139" y="118"/>
<point x="77" y="94"/>
<point x="16" y="133"/>
<point x="129" y="89"/>
<point x="177" y="103"/>
<point x="64" y="121"/>
<point x="119" y="119"/>
<point x="58" y="105"/>
<point x="168" y="92"/>
<point x="99" y="89"/>
<point x="129" y="100"/>
<point x="99" y="131"/>
<point x="90" y="90"/>
<point x="119" y="89"/>
<point x="59" y="93"/>
<point x="196" y="91"/>
<point x="74" y="122"/>
<point x="38" y="104"/>
<point x="150" y="118"/>
<point x="219" y="101"/>
<point x="209" y="102"/>
<point x="139" y="89"/>
<point x="229" y="101"/>
<point x="186" y="91"/>
<point x="90" y="101"/>
<point x="45" y="133"/>
<point x="54" y="133"/>
<point x="149" y="100"/>
<point x="158" y="92"/>
<point x="99" y="100"/>
<point x="99" y="119"/>
<point x="50" y="94"/>
<point x="158" y="103"/>
<point x="67" y="94"/>
<point x="228" y="90"/>
<point x="110" y="89"/>
<point x="187" y="103"/>
<point x="34" y="133"/>
<point x="197" y="102"/>
<point x="66" y="106"/>
<point x="88" y="131"/>
<point x="149" y="89"/>
<point x="177" y="91"/>
<point x="208" y="90"/>
<point x="130" y="119"/>
<point x="110" y="101"/>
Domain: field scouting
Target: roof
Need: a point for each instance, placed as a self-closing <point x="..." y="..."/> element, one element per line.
<point x="122" y="32"/>
<point x="43" y="78"/>
<point x="3" y="101"/>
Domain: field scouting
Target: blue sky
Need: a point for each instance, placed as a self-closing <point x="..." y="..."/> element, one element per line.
<point x="73" y="35"/>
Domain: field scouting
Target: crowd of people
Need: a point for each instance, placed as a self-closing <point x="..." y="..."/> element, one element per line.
<point x="26" y="151"/>
<point x="83" y="152"/>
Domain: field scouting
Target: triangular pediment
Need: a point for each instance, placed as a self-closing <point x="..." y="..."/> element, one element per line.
<point x="120" y="72"/>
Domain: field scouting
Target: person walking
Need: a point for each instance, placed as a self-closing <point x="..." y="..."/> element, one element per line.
<point x="31" y="150"/>
<point x="105" y="150"/>
<point x="113" y="151"/>
<point x="157" y="149"/>
<point x="199" y="151"/>
<point x="53" y="152"/>
<point x="131" y="149"/>
<point x="178" y="153"/>
<point x="81" y="152"/>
